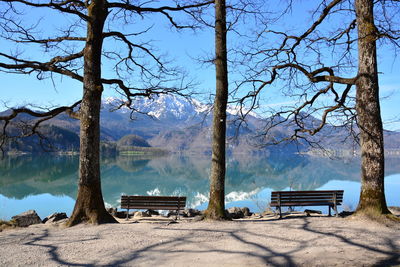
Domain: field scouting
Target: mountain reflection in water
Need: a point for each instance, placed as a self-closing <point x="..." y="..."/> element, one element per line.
<point x="48" y="183"/>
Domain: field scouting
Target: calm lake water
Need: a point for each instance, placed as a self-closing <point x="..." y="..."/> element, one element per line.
<point x="48" y="183"/>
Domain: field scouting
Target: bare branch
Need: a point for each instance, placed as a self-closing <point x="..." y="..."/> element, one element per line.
<point x="53" y="65"/>
<point x="32" y="128"/>
<point x="69" y="6"/>
<point x="163" y="10"/>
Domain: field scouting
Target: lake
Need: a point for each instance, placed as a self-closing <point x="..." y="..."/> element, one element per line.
<point x="48" y="183"/>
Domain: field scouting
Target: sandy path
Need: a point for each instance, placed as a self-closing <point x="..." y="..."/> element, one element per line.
<point x="298" y="241"/>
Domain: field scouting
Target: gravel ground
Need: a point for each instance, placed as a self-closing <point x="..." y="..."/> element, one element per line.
<point x="292" y="241"/>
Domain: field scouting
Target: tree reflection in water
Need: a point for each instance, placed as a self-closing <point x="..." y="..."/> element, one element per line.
<point x="248" y="178"/>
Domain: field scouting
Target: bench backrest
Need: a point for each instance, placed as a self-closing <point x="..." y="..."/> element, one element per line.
<point x="153" y="202"/>
<point x="304" y="198"/>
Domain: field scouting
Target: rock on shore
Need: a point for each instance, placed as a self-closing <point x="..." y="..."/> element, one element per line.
<point x="26" y="218"/>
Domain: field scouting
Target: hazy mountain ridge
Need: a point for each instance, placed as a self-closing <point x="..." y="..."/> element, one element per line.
<point x="182" y="125"/>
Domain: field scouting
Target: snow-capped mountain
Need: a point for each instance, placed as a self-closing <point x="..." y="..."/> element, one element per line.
<point x="172" y="122"/>
<point x="163" y="107"/>
<point x="170" y="107"/>
<point x="179" y="124"/>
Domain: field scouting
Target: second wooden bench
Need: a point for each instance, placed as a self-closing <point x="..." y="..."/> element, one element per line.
<point x="330" y="198"/>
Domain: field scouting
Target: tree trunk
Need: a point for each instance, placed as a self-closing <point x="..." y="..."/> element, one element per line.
<point x="216" y="205"/>
<point x="89" y="206"/>
<point x="372" y="197"/>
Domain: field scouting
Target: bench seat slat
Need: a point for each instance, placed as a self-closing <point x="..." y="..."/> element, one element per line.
<point x="136" y="206"/>
<point x="133" y="205"/>
<point x="151" y="201"/>
<point x="152" y="198"/>
<point x="306" y="197"/>
<point x="308" y="200"/>
<point x="303" y="196"/>
<point x="151" y="207"/>
<point x="155" y="200"/>
<point x="307" y="192"/>
<point x="310" y="195"/>
<point x="304" y="203"/>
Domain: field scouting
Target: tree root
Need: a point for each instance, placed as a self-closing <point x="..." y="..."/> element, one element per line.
<point x="386" y="218"/>
<point x="94" y="218"/>
<point x="211" y="215"/>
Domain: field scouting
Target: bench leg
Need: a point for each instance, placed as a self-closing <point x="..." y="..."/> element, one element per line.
<point x="280" y="212"/>
<point x="127" y="214"/>
<point x="336" y="213"/>
<point x="329" y="207"/>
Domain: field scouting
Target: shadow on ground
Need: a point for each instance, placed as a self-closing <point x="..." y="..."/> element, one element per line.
<point x="278" y="245"/>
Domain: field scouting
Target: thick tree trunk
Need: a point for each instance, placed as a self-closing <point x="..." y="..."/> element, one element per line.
<point x="89" y="206"/>
<point x="216" y="205"/>
<point x="372" y="198"/>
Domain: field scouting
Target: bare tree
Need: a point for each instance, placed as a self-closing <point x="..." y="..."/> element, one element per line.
<point x="312" y="77"/>
<point x="236" y="11"/>
<point x="93" y="23"/>
<point x="216" y="204"/>
<point x="372" y="198"/>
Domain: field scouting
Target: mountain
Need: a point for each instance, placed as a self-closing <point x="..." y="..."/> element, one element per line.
<point x="174" y="123"/>
<point x="54" y="138"/>
<point x="183" y="125"/>
<point x="132" y="140"/>
<point x="149" y="117"/>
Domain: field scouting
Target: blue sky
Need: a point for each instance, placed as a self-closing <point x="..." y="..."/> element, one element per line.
<point x="183" y="48"/>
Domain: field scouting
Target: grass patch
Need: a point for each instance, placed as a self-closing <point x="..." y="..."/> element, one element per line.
<point x="134" y="150"/>
<point x="387" y="219"/>
<point x="7" y="225"/>
<point x="128" y="153"/>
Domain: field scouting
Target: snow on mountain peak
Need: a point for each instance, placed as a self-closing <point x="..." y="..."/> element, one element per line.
<point x="110" y="100"/>
<point x="163" y="106"/>
<point x="170" y="107"/>
<point x="237" y="111"/>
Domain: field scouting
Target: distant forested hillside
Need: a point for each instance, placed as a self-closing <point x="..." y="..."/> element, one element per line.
<point x="177" y="125"/>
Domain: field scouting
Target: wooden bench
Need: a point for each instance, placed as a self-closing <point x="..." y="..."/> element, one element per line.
<point x="153" y="203"/>
<point x="330" y="198"/>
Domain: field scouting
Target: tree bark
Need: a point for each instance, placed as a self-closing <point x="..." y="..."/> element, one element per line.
<point x="216" y="205"/>
<point x="372" y="197"/>
<point x="89" y="206"/>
